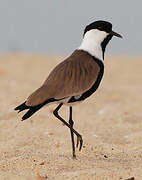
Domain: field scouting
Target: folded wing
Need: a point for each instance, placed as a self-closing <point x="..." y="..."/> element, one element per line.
<point x="71" y="77"/>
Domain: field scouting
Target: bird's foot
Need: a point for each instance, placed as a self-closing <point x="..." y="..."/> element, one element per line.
<point x="74" y="156"/>
<point x="79" y="140"/>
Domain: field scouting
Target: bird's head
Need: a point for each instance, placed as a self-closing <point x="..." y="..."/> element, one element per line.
<point x="98" y="33"/>
<point x="102" y="29"/>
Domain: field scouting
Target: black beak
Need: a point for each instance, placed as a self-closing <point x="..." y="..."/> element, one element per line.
<point x="115" y="34"/>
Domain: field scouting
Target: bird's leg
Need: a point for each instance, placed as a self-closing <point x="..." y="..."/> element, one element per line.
<point x="79" y="137"/>
<point x="72" y="134"/>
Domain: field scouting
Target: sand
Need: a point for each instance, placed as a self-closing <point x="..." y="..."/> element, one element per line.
<point x="110" y="122"/>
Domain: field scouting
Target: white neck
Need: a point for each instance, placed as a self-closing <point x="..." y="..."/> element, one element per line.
<point x="92" y="43"/>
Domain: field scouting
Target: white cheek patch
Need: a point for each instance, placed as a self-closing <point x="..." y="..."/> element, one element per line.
<point x="92" y="42"/>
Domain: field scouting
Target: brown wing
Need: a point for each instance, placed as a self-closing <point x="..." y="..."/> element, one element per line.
<point x="72" y="77"/>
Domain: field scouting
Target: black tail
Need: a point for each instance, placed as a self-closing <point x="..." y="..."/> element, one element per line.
<point x="21" y="107"/>
<point x="32" y="109"/>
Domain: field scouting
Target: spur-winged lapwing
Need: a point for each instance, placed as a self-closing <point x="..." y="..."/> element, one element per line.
<point x="74" y="79"/>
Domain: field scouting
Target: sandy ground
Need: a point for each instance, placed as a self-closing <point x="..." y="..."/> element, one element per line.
<point x="110" y="122"/>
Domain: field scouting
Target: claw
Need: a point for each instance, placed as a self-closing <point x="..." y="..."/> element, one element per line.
<point x="81" y="143"/>
<point x="79" y="140"/>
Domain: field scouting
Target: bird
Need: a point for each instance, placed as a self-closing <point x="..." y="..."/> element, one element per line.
<point x="75" y="79"/>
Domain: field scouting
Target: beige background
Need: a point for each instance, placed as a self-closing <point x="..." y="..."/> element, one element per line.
<point x="110" y="122"/>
